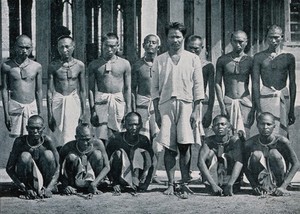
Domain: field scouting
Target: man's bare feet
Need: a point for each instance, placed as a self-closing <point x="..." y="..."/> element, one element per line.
<point x="169" y="190"/>
<point x="155" y="180"/>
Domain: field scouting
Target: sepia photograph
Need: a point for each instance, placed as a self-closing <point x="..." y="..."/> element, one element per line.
<point x="150" y="106"/>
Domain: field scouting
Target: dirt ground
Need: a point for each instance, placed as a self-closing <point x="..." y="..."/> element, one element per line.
<point x="154" y="202"/>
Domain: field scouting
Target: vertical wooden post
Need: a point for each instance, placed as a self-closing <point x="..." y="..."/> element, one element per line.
<point x="162" y="20"/>
<point x="238" y="14"/>
<point x="287" y="21"/>
<point x="139" y="25"/>
<point x="189" y="16"/>
<point x="107" y="17"/>
<point x="228" y="23"/>
<point x="79" y="24"/>
<point x="216" y="30"/>
<point x="0" y="42"/>
<point x="200" y="22"/>
<point x="43" y="34"/>
<point x="176" y="11"/>
<point x="26" y="6"/>
<point x="130" y="32"/>
<point x="14" y="23"/>
<point x="248" y="24"/>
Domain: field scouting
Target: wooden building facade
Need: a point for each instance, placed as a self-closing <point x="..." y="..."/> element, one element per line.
<point x="214" y="20"/>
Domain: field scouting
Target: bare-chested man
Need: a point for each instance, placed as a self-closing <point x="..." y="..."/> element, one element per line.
<point x="274" y="67"/>
<point x="33" y="164"/>
<point x="66" y="92"/>
<point x="235" y="68"/>
<point x="220" y="159"/>
<point x="84" y="162"/>
<point x="141" y="88"/>
<point x="22" y="87"/>
<point x="270" y="159"/>
<point x="195" y="45"/>
<point x="176" y="90"/>
<point x="109" y="88"/>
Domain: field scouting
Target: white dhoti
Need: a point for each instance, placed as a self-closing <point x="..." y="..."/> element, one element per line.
<point x="110" y="109"/>
<point x="144" y="106"/>
<point x="238" y="110"/>
<point x="276" y="102"/>
<point x="19" y="114"/>
<point x="66" y="112"/>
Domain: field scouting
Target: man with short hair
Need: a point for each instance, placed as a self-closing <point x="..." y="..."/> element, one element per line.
<point x="33" y="164"/>
<point x="235" y="69"/>
<point x="195" y="45"/>
<point x="21" y="87"/>
<point x="66" y="92"/>
<point x="176" y="90"/>
<point x="274" y="67"/>
<point x="141" y="88"/>
<point x="220" y="159"/>
<point x="271" y="162"/>
<point x="109" y="88"/>
<point x="130" y="156"/>
<point x="84" y="162"/>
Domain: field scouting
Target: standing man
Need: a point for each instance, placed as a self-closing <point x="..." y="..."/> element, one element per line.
<point x="66" y="92"/>
<point x="109" y="88"/>
<point x="176" y="90"/>
<point x="141" y="88"/>
<point x="22" y="87"/>
<point x="33" y="163"/>
<point x="195" y="45"/>
<point x="274" y="67"/>
<point x="271" y="160"/>
<point x="235" y="69"/>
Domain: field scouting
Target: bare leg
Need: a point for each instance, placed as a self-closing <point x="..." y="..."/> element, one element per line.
<point x="24" y="169"/>
<point x="184" y="161"/>
<point x="116" y="167"/>
<point x="254" y="164"/>
<point x="277" y="166"/>
<point x="96" y="160"/>
<point x="170" y="162"/>
<point x="47" y="166"/>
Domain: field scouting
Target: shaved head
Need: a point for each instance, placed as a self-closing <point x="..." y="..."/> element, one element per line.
<point x="239" y="33"/>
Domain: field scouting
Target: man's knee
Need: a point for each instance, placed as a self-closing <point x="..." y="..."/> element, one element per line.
<point x="49" y="156"/>
<point x="25" y="158"/>
<point x="256" y="155"/>
<point x="97" y="155"/>
<point x="117" y="155"/>
<point x="274" y="154"/>
<point x="71" y="157"/>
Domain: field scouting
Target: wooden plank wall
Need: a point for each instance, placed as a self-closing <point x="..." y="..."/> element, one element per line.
<point x="79" y="29"/>
<point x="43" y="34"/>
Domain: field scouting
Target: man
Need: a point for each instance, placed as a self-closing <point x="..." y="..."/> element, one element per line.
<point x="141" y="88"/>
<point x="33" y="164"/>
<point x="271" y="161"/>
<point x="273" y="68"/>
<point x="235" y="69"/>
<point x="195" y="45"/>
<point x="22" y="87"/>
<point x="84" y="162"/>
<point x="131" y="156"/>
<point x="220" y="159"/>
<point x="109" y="88"/>
<point x="66" y="92"/>
<point x="176" y="90"/>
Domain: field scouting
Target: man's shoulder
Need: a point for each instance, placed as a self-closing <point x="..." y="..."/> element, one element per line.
<point x="95" y="63"/>
<point x="34" y="63"/>
<point x="261" y="54"/>
<point x="122" y="60"/>
<point x="79" y="62"/>
<point x="138" y="63"/>
<point x="251" y="141"/>
<point x="69" y="145"/>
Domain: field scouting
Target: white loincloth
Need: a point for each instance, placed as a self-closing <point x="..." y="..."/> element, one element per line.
<point x="19" y="114"/>
<point x="66" y="112"/>
<point x="276" y="102"/>
<point x="110" y="109"/>
<point x="238" y="110"/>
